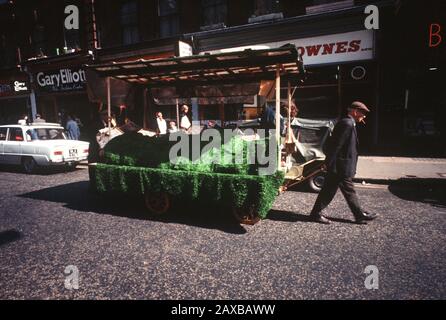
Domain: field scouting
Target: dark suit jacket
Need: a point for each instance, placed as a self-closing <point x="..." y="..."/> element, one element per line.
<point x="342" y="149"/>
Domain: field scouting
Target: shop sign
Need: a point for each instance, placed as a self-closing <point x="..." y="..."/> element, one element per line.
<point x="435" y="35"/>
<point x="184" y="49"/>
<point x="13" y="88"/>
<point x="62" y="80"/>
<point x="20" y="86"/>
<point x="328" y="49"/>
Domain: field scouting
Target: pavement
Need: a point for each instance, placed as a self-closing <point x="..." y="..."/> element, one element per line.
<point x="389" y="169"/>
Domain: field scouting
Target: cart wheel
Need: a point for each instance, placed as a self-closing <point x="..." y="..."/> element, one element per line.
<point x="157" y="203"/>
<point x="245" y="215"/>
<point x="317" y="182"/>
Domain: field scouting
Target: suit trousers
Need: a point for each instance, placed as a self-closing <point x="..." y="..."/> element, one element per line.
<point x="331" y="185"/>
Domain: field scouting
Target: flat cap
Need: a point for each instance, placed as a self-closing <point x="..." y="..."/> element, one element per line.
<point x="360" y="106"/>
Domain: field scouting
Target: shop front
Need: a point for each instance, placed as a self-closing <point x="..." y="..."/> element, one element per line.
<point x="340" y="68"/>
<point x="413" y="85"/>
<point x="14" y="97"/>
<point x="131" y="101"/>
<point x="60" y="87"/>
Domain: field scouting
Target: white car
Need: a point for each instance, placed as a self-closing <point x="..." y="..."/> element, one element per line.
<point x="39" y="144"/>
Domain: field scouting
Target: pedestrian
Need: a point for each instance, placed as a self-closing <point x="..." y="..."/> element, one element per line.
<point x="172" y="127"/>
<point x="185" y="123"/>
<point x="340" y="163"/>
<point x="72" y="128"/>
<point x="24" y="120"/>
<point x="268" y="121"/>
<point x="78" y="121"/>
<point x="39" y="119"/>
<point x="99" y="122"/>
<point x="161" y="123"/>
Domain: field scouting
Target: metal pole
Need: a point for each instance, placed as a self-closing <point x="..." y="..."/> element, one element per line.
<point x="109" y="105"/>
<point x="146" y="106"/>
<point x="32" y="95"/>
<point x="289" y="103"/>
<point x="340" y="98"/>
<point x="178" y="114"/>
<point x="278" y="115"/>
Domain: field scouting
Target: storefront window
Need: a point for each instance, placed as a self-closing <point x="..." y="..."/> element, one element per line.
<point x="425" y="101"/>
<point x="214" y="11"/>
<point x="169" y="19"/>
<point x="39" y="41"/>
<point x="318" y="97"/>
<point x="7" y="52"/>
<point x="129" y="22"/>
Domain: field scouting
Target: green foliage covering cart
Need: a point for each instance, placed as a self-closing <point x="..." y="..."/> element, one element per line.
<point x="139" y="165"/>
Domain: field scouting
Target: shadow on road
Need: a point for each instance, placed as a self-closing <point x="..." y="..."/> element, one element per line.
<point x="9" y="236"/>
<point x="431" y="191"/>
<point x="41" y="171"/>
<point x="77" y="196"/>
<point x="287" y="216"/>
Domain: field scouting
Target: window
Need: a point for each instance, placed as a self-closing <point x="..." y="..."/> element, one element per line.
<point x="15" y="134"/>
<point x="7" y="52"/>
<point x="47" y="134"/>
<point x="39" y="40"/>
<point x="38" y="35"/>
<point x="129" y="22"/>
<point x="3" y="132"/>
<point x="169" y="19"/>
<point x="263" y="7"/>
<point x="214" y="12"/>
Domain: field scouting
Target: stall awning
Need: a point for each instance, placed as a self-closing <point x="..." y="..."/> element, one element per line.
<point x="246" y="66"/>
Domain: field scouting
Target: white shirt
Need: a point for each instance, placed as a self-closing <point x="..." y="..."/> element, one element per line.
<point x="185" y="123"/>
<point x="162" y="125"/>
<point x="173" y="130"/>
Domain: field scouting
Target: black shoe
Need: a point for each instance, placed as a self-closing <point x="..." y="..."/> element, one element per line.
<point x="319" y="219"/>
<point x="364" y="217"/>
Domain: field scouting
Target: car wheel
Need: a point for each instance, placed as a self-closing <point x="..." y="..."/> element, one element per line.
<point x="29" y="165"/>
<point x="317" y="182"/>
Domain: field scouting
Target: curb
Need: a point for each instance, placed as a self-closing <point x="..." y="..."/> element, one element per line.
<point x="413" y="180"/>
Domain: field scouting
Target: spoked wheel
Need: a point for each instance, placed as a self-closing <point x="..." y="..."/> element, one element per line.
<point x="29" y="164"/>
<point x="317" y="182"/>
<point x="246" y="216"/>
<point x="157" y="203"/>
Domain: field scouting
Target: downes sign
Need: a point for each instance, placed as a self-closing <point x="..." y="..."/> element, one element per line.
<point x="327" y="49"/>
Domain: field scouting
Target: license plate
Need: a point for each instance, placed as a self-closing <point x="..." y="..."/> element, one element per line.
<point x="72" y="153"/>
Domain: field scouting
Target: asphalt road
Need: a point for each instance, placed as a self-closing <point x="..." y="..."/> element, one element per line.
<point x="50" y="221"/>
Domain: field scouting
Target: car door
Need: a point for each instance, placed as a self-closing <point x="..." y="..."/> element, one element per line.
<point x="3" y="135"/>
<point x="12" y="147"/>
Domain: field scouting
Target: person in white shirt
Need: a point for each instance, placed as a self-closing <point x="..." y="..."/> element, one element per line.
<point x="162" y="125"/>
<point x="24" y="120"/>
<point x="185" y="123"/>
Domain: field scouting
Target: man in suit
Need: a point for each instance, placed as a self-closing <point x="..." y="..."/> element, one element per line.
<point x="341" y="161"/>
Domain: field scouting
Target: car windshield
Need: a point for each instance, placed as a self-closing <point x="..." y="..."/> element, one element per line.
<point x="46" y="134"/>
